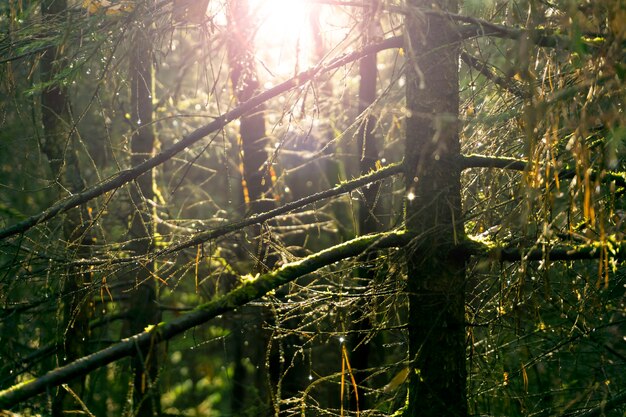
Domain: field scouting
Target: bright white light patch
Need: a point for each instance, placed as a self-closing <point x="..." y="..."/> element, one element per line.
<point x="410" y="196"/>
<point x="283" y="39"/>
<point x="280" y="18"/>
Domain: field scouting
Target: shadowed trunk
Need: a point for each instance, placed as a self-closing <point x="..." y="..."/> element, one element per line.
<point x="58" y="144"/>
<point x="257" y="194"/>
<point x="367" y="149"/>
<point x="144" y="309"/>
<point x="433" y="211"/>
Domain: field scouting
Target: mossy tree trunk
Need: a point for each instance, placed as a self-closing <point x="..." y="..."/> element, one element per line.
<point x="144" y="309"/>
<point x="433" y="211"/>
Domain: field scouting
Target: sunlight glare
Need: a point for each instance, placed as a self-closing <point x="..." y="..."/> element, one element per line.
<point x="284" y="28"/>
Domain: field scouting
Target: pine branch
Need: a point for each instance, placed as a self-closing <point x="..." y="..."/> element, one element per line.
<point x="128" y="175"/>
<point x="252" y="290"/>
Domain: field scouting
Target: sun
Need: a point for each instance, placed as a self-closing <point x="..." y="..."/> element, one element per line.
<point x="281" y="19"/>
<point x="283" y="38"/>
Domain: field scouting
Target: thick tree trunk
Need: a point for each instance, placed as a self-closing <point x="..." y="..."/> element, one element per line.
<point x="144" y="309"/>
<point x="433" y="211"/>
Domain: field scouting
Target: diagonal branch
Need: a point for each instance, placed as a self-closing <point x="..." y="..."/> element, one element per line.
<point x="342" y="188"/>
<point x="128" y="175"/>
<point x="484" y="69"/>
<point x="250" y="291"/>
<point x="205" y="236"/>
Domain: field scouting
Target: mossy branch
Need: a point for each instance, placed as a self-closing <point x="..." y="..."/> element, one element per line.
<point x="514" y="164"/>
<point x="252" y="290"/>
<point x="615" y="249"/>
<point x="483" y="161"/>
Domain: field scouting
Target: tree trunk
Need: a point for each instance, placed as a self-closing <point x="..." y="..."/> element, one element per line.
<point x="258" y="197"/>
<point x="58" y="146"/>
<point x="433" y="211"/>
<point x="368" y="222"/>
<point x="144" y="309"/>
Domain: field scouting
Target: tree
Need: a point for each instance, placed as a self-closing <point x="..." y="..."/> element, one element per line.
<point x="143" y="306"/>
<point x="491" y="282"/>
<point x="436" y="275"/>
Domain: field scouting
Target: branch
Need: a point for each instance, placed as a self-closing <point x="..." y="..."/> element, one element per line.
<point x="480" y="248"/>
<point x="205" y="236"/>
<point x="561" y="253"/>
<point x="250" y="291"/>
<point x="479" y="28"/>
<point x="128" y="175"/>
<point x="604" y="406"/>
<point x="482" y="161"/>
<point x="342" y="188"/>
<point x="487" y="72"/>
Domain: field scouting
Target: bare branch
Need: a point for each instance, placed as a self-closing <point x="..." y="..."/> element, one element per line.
<point x="128" y="175"/>
<point x="484" y="69"/>
<point x="342" y="188"/>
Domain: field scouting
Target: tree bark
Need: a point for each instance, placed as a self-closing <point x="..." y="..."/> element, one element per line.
<point x="433" y="211"/>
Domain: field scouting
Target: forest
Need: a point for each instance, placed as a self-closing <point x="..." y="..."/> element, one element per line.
<point x="313" y="208"/>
